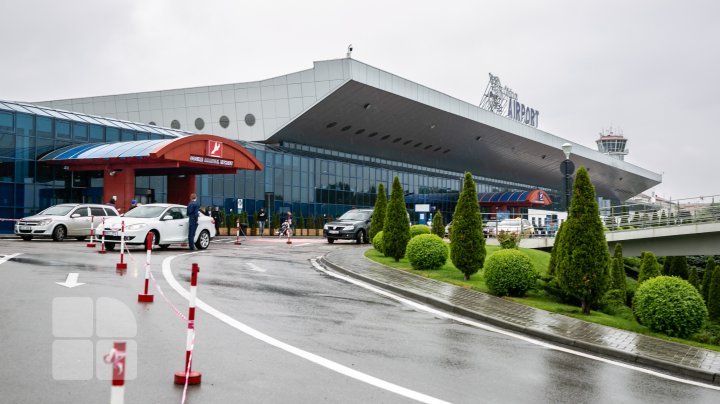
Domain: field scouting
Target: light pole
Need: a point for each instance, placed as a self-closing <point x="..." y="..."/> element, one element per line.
<point x="567" y="168"/>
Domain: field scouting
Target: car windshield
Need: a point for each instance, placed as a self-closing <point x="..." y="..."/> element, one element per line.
<point x="59" y="210"/>
<point x="146" y="211"/>
<point x="355" y="215"/>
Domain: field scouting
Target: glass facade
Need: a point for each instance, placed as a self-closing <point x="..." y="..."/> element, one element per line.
<point x="309" y="181"/>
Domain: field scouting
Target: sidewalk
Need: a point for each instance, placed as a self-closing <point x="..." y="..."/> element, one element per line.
<point x="697" y="363"/>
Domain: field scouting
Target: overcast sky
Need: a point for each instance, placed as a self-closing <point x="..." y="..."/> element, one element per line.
<point x="649" y="68"/>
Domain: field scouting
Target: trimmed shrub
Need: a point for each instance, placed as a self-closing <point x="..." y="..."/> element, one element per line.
<point x="670" y="305"/>
<point x="707" y="277"/>
<point x="617" y="272"/>
<point x="397" y="228"/>
<point x="713" y="303"/>
<point x="509" y="272"/>
<point x="679" y="267"/>
<point x="467" y="249"/>
<point x="694" y="280"/>
<point x="418" y="229"/>
<point x="377" y="242"/>
<point x="508" y="239"/>
<point x="378" y="217"/>
<point x="438" y="228"/>
<point x="613" y="301"/>
<point x="632" y="286"/>
<point x="649" y="267"/>
<point x="427" y="251"/>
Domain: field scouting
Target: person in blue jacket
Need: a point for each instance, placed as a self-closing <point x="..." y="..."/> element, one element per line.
<point x="193" y="212"/>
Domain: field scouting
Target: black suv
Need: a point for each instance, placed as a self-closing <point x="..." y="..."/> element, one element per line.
<point x="352" y="225"/>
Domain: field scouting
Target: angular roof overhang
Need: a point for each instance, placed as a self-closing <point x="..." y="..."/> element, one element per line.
<point x="196" y="154"/>
<point x="375" y="122"/>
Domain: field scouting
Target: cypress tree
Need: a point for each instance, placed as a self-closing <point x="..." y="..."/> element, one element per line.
<point x="437" y="225"/>
<point x="707" y="277"/>
<point x="378" y="217"/>
<point x="396" y="231"/>
<point x="714" y="296"/>
<point x="553" y="250"/>
<point x="667" y="266"/>
<point x="582" y="258"/>
<point x="467" y="248"/>
<point x="618" y="272"/>
<point x="679" y="267"/>
<point x="649" y="267"/>
<point x="693" y="278"/>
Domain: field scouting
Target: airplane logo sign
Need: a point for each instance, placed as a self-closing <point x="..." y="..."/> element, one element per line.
<point x="214" y="148"/>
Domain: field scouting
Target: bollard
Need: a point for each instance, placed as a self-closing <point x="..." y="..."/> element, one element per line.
<point x="187" y="375"/>
<point x="122" y="264"/>
<point x="91" y="244"/>
<point x="289" y="232"/>
<point x="145" y="297"/>
<point x="117" y="359"/>
<point x="102" y="243"/>
<point x="237" y="238"/>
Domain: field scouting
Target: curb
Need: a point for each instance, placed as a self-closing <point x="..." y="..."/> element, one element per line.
<point x="698" y="374"/>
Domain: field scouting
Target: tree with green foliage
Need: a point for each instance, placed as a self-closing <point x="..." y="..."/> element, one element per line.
<point x="378" y="217"/>
<point x="553" y="250"/>
<point x="713" y="303"/>
<point x="649" y="267"/>
<point x="693" y="278"/>
<point x="667" y="265"/>
<point x="438" y="228"/>
<point x="707" y="277"/>
<point x="467" y="248"/>
<point x="618" y="272"/>
<point x="300" y="223"/>
<point x="582" y="258"/>
<point x="396" y="231"/>
<point x="679" y="267"/>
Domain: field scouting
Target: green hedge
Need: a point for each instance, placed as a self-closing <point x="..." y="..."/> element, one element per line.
<point x="418" y="229"/>
<point x="377" y="242"/>
<point x="427" y="251"/>
<point x="670" y="305"/>
<point x="509" y="272"/>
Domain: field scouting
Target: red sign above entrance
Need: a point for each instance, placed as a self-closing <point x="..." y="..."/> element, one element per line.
<point x="214" y="148"/>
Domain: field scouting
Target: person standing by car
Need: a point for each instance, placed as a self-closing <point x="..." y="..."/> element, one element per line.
<point x="216" y="217"/>
<point x="261" y="219"/>
<point x="193" y="212"/>
<point x="133" y="205"/>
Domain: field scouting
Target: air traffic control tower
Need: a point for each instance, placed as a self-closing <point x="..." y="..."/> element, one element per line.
<point x="613" y="144"/>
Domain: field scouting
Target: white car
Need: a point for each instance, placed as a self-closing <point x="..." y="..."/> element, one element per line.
<point x="64" y="220"/>
<point x="168" y="223"/>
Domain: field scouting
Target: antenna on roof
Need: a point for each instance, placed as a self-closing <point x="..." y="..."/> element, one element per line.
<point x="349" y="51"/>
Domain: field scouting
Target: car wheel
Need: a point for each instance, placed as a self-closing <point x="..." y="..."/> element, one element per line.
<point x="59" y="233"/>
<point x="360" y="236"/>
<point x="110" y="246"/>
<point x="203" y="240"/>
<point x="331" y="240"/>
<point x="26" y="238"/>
<point x="156" y="238"/>
<point x="81" y="238"/>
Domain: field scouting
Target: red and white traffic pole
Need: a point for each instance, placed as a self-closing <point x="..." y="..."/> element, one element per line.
<point x="187" y="375"/>
<point x="102" y="243"/>
<point x="91" y="244"/>
<point x="122" y="264"/>
<point x="146" y="297"/>
<point x="117" y="359"/>
<point x="237" y="238"/>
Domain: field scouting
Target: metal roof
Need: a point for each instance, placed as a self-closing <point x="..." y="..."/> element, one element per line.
<point x="136" y="148"/>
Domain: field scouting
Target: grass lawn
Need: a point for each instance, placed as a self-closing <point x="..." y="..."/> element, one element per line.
<point x="535" y="298"/>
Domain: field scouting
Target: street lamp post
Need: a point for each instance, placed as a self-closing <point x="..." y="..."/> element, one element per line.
<point x="567" y="168"/>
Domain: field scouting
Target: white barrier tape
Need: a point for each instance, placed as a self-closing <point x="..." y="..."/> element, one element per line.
<point x="115" y="358"/>
<point x="9" y="220"/>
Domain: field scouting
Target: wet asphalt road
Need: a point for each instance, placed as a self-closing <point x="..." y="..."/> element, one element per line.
<point x="272" y="287"/>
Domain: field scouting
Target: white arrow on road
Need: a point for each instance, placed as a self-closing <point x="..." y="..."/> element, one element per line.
<point x="71" y="281"/>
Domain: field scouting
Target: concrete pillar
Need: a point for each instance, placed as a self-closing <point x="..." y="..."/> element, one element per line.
<point x="121" y="184"/>
<point x="179" y="188"/>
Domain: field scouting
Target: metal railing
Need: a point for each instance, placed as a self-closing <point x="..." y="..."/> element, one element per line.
<point x="662" y="213"/>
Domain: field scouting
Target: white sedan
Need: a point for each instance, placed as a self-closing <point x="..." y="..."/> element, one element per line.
<point x="167" y="222"/>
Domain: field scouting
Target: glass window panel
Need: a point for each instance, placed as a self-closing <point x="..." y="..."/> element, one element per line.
<point x="7" y="145"/>
<point x="44" y="126"/>
<point x="127" y="136"/>
<point x="42" y="146"/>
<point x="24" y="125"/>
<point x="80" y="131"/>
<point x="7" y="170"/>
<point x="6" y="122"/>
<point x="112" y="135"/>
<point x="121" y="125"/>
<point x="97" y="133"/>
<point x="17" y="108"/>
<point x="142" y="136"/>
<point x="62" y="129"/>
<point x="25" y="147"/>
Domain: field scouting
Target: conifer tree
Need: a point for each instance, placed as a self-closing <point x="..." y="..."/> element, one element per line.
<point x="582" y="258"/>
<point x="553" y="251"/>
<point x="396" y="231"/>
<point x="714" y="296"/>
<point x="693" y="278"/>
<point x="667" y="266"/>
<point x="649" y="268"/>
<point x="679" y="267"/>
<point x="467" y="248"/>
<point x="437" y="225"/>
<point x="707" y="277"/>
<point x="378" y="217"/>
<point x="618" y="272"/>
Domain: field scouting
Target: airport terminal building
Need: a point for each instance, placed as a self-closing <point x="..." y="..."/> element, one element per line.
<point x="324" y="137"/>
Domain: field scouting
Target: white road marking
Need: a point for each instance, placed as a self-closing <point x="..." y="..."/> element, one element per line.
<point x="437" y="312"/>
<point x="254" y="267"/>
<point x="8" y="257"/>
<point x="302" y="244"/>
<point x="334" y="366"/>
